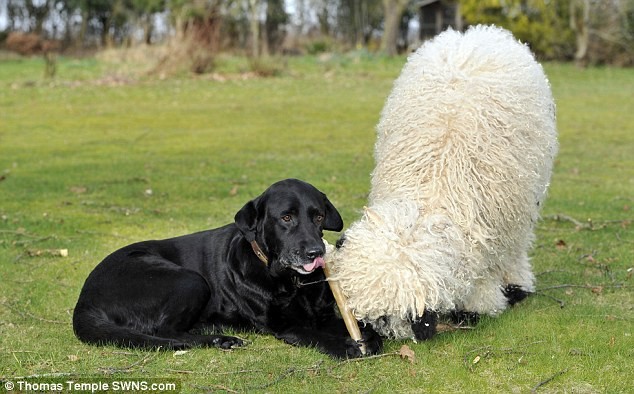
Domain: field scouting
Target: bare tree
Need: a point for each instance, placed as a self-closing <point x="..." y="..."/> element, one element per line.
<point x="603" y="30"/>
<point x="393" y="11"/>
<point x="273" y="32"/>
<point x="580" y="24"/>
<point x="254" y="23"/>
<point x="357" y="20"/>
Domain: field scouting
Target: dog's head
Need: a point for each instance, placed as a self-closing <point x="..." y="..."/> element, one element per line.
<point x="287" y="222"/>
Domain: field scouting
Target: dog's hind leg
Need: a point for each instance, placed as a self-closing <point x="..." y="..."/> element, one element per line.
<point x="95" y="327"/>
<point x="105" y="332"/>
<point x="146" y="303"/>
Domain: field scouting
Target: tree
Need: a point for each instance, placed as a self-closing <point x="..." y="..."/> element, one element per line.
<point x="393" y="12"/>
<point x="276" y="18"/>
<point x="579" y="23"/>
<point x="28" y="15"/>
<point x="543" y="25"/>
<point x="143" y="11"/>
<point x="357" y="20"/>
<point x="254" y="23"/>
<point x="589" y="31"/>
<point x="604" y="31"/>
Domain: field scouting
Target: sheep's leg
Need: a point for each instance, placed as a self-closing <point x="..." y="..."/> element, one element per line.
<point x="425" y="326"/>
<point x="520" y="274"/>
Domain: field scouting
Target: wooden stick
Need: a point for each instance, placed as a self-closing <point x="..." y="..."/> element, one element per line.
<point x="348" y="318"/>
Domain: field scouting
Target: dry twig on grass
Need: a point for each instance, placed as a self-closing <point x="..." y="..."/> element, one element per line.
<point x="214" y="388"/>
<point x="589" y="224"/>
<point x="489" y="350"/>
<point x="141" y="362"/>
<point x="26" y="315"/>
<point x="557" y="300"/>
<point x="46" y="375"/>
<point x="543" y="382"/>
<point x="315" y="368"/>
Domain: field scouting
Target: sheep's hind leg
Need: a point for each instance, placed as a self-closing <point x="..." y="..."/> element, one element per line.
<point x="462" y="318"/>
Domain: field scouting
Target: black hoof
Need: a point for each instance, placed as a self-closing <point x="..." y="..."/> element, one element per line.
<point x="425" y="327"/>
<point x="465" y="318"/>
<point x="515" y="294"/>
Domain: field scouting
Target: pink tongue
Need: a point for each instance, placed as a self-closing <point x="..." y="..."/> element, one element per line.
<point x="318" y="262"/>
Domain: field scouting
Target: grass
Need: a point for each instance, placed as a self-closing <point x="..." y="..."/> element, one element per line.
<point x="89" y="165"/>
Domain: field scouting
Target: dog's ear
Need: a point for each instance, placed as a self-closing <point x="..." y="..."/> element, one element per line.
<point x="333" y="220"/>
<point x="246" y="219"/>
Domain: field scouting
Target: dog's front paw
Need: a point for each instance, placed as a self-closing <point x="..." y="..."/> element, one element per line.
<point x="371" y="342"/>
<point x="352" y="349"/>
<point x="226" y="342"/>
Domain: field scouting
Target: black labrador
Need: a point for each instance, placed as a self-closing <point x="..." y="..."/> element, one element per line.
<point x="263" y="273"/>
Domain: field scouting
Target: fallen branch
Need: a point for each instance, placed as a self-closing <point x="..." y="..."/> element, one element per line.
<point x="179" y="371"/>
<point x="25" y="315"/>
<point x="589" y="225"/>
<point x="20" y="232"/>
<point x="33" y="240"/>
<point x="238" y="372"/>
<point x="557" y="300"/>
<point x="565" y="218"/>
<point x="488" y="350"/>
<point x="214" y="388"/>
<point x="143" y="361"/>
<point x="365" y="358"/>
<point x="444" y="327"/>
<point x="99" y="234"/>
<point x="618" y="237"/>
<point x="591" y="287"/>
<point x="44" y="375"/>
<point x="124" y="353"/>
<point x="285" y="374"/>
<point x="544" y="382"/>
<point x="552" y="272"/>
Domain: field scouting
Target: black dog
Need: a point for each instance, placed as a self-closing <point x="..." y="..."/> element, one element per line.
<point x="261" y="273"/>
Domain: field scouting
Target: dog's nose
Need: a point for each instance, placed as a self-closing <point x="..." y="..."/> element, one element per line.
<point x="313" y="253"/>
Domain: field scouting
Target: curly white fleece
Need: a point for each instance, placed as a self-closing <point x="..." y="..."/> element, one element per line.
<point x="464" y="154"/>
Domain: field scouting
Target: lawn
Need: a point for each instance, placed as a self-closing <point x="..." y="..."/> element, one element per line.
<point x="94" y="160"/>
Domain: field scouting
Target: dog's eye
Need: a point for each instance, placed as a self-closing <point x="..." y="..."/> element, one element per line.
<point x="319" y="218"/>
<point x="287" y="218"/>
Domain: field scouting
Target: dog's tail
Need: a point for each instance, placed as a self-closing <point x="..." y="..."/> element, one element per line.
<point x="92" y="325"/>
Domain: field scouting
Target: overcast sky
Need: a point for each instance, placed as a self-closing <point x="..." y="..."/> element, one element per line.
<point x="3" y="14"/>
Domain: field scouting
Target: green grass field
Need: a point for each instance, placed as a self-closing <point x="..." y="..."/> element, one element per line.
<point x="90" y="164"/>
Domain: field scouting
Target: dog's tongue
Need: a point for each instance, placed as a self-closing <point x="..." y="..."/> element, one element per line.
<point x="317" y="263"/>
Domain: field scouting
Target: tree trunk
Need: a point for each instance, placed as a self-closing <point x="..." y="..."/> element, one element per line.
<point x="148" y="28"/>
<point x="254" y="6"/>
<point x="38" y="13"/>
<point x="358" y="22"/>
<point x="393" y="11"/>
<point x="81" y="37"/>
<point x="579" y="23"/>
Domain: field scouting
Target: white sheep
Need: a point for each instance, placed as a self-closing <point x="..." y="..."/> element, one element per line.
<point x="464" y="153"/>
